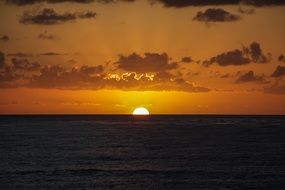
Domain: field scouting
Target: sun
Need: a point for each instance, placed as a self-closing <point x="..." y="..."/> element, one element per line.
<point x="141" y="111"/>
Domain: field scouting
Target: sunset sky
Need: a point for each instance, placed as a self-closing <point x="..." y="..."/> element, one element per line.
<point x="170" y="56"/>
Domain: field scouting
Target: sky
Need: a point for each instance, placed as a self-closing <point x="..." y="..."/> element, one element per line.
<point x="171" y="57"/>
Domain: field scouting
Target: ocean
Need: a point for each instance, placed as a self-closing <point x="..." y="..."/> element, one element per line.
<point x="142" y="152"/>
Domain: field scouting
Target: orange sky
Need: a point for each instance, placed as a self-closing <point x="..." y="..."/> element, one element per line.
<point x="172" y="58"/>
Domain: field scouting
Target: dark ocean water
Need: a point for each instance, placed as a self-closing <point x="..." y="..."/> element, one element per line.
<point x="154" y="152"/>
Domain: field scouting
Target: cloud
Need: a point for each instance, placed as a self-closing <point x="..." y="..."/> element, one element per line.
<point x="51" y="54"/>
<point x="76" y="78"/>
<point x="25" y="73"/>
<point x="262" y="3"/>
<point x="166" y="3"/>
<point x="275" y="89"/>
<point x="280" y="71"/>
<point x="256" y="54"/>
<point x="251" y="77"/>
<point x="4" y="38"/>
<point x="281" y="58"/>
<point x="31" y="2"/>
<point x="20" y="54"/>
<point x="186" y="60"/>
<point x="2" y="59"/>
<point x="186" y="3"/>
<point x="48" y="16"/>
<point x="94" y="78"/>
<point x="25" y="64"/>
<point x="237" y="57"/>
<point x="150" y="62"/>
<point x="45" y="36"/>
<point x="215" y="15"/>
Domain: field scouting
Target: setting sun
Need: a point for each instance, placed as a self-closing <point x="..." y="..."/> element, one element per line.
<point x="140" y="111"/>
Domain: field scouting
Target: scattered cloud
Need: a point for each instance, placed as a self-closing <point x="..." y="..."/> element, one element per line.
<point x="216" y="15"/>
<point x="281" y="58"/>
<point x="2" y="59"/>
<point x="280" y="71"/>
<point x="186" y="3"/>
<point x="25" y="73"/>
<point x="46" y="36"/>
<point x="186" y="60"/>
<point x="19" y="54"/>
<point x="251" y="77"/>
<point x="4" y="38"/>
<point x="25" y="64"/>
<point x="237" y="57"/>
<point x="256" y="54"/>
<point x="275" y="89"/>
<point x="51" y="54"/>
<point x="48" y="16"/>
<point x="150" y="62"/>
<point x="31" y="2"/>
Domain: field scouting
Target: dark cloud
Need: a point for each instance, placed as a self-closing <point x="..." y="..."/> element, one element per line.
<point x="75" y="78"/>
<point x="19" y="54"/>
<point x="25" y="64"/>
<point x="90" y="70"/>
<point x="23" y="55"/>
<point x="31" y="2"/>
<point x="94" y="78"/>
<point x="164" y="76"/>
<point x="235" y="57"/>
<point x="275" y="89"/>
<point x="262" y="3"/>
<point x="251" y="77"/>
<point x="281" y="58"/>
<point x="166" y="3"/>
<point x="215" y="15"/>
<point x="51" y="54"/>
<point x="4" y="38"/>
<point x="256" y="54"/>
<point x="186" y="3"/>
<point x="2" y="59"/>
<point x="48" y="16"/>
<point x="46" y="36"/>
<point x="280" y="71"/>
<point x="253" y="53"/>
<point x="150" y="62"/>
<point x="22" y="74"/>
<point x="186" y="60"/>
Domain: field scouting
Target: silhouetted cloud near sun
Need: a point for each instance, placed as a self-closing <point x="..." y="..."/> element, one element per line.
<point x="150" y="62"/>
<point x="215" y="15"/>
<point x="147" y="76"/>
<point x="48" y="16"/>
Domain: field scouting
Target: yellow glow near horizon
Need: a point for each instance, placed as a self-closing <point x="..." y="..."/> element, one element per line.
<point x="140" y="111"/>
